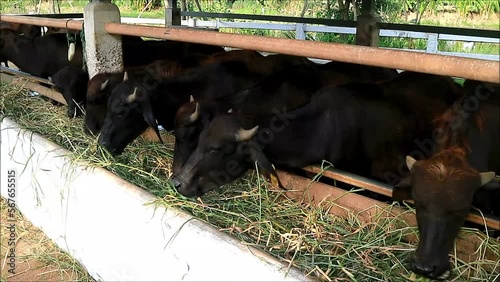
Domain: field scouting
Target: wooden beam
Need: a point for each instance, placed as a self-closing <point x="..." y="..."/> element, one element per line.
<point x="44" y="91"/>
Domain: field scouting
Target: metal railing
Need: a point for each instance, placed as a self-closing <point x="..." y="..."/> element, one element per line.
<point x="302" y="26"/>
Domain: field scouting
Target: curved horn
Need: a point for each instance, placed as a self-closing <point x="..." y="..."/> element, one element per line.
<point x="230" y="111"/>
<point x="132" y="96"/>
<point x="244" y="134"/>
<point x="191" y="98"/>
<point x="410" y="162"/>
<point x="194" y="116"/>
<point x="125" y="76"/>
<point x="71" y="51"/>
<point x="104" y="84"/>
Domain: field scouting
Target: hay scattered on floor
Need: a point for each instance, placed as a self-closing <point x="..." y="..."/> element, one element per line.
<point x="309" y="238"/>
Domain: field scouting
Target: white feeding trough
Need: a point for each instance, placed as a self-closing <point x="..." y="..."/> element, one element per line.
<point x="105" y="223"/>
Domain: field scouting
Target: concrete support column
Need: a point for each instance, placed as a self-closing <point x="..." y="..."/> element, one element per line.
<point x="367" y="29"/>
<point x="104" y="50"/>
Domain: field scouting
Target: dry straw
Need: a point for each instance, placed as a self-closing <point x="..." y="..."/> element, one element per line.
<point x="307" y="237"/>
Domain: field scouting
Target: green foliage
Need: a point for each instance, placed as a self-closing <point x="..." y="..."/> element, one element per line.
<point x="216" y="6"/>
<point x="476" y="6"/>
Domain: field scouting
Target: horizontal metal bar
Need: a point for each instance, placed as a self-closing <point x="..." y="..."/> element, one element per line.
<point x="332" y="29"/>
<point x="316" y="28"/>
<point x="269" y="18"/>
<point x="482" y="70"/>
<point x="386" y="190"/>
<point x="471" y="55"/>
<point x="353" y="179"/>
<point x="60" y="23"/>
<point x="52" y="16"/>
<point x="266" y="26"/>
<point x="142" y="21"/>
<point x="330" y="22"/>
<point x="468" y="38"/>
<point x="328" y="29"/>
<point x="455" y="54"/>
<point x="25" y="75"/>
<point x="400" y="33"/>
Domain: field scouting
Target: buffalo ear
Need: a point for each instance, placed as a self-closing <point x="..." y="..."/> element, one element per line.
<point x="266" y="168"/>
<point x="402" y="190"/>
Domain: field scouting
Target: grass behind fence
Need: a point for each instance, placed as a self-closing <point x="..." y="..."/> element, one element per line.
<point x="322" y="245"/>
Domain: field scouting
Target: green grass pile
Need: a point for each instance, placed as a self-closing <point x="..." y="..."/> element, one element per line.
<point x="307" y="237"/>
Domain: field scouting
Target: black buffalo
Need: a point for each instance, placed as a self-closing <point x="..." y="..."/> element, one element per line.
<point x="287" y="88"/>
<point x="447" y="184"/>
<point x="72" y="81"/>
<point x="341" y="125"/>
<point x="135" y="104"/>
<point x="41" y="56"/>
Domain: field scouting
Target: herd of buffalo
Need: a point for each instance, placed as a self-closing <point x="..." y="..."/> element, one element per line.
<point x="436" y="141"/>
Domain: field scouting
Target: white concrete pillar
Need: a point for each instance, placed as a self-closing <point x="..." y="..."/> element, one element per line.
<point x="104" y="50"/>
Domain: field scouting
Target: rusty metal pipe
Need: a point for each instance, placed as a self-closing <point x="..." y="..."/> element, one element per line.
<point x="353" y="179"/>
<point x="482" y="70"/>
<point x="386" y="190"/>
<point x="60" y="23"/>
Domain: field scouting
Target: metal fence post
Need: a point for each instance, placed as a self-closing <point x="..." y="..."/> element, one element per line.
<point x="172" y="14"/>
<point x="103" y="50"/>
<point x="300" y="31"/>
<point x="367" y="25"/>
<point x="432" y="43"/>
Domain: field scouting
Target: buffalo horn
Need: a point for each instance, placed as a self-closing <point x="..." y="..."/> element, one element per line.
<point x="132" y="96"/>
<point x="125" y="76"/>
<point x="410" y="162"/>
<point x="486" y="177"/>
<point x="191" y="98"/>
<point x="104" y="84"/>
<point x="71" y="51"/>
<point x="244" y="134"/>
<point x="194" y="116"/>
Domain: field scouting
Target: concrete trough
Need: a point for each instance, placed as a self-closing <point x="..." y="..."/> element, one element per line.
<point x="106" y="223"/>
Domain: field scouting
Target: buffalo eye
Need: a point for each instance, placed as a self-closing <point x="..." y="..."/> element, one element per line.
<point x="214" y="150"/>
<point x="120" y="113"/>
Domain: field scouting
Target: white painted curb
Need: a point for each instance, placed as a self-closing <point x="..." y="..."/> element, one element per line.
<point x="102" y="221"/>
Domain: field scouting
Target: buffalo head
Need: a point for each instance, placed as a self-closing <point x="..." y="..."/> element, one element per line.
<point x="443" y="189"/>
<point x="225" y="152"/>
<point x="129" y="112"/>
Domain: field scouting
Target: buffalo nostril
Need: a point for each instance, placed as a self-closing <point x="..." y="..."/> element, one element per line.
<point x="177" y="184"/>
<point x="423" y="269"/>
